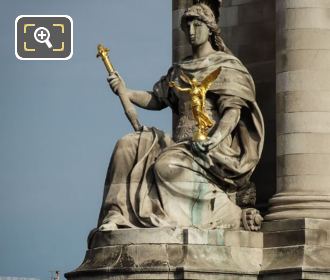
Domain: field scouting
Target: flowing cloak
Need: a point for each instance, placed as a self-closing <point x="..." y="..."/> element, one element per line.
<point x="153" y="181"/>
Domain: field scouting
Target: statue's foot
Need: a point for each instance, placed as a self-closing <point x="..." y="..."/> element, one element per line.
<point x="108" y="226"/>
<point x="251" y="219"/>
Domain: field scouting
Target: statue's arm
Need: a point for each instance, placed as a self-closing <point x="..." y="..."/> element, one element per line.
<point x="225" y="126"/>
<point x="187" y="90"/>
<point x="228" y="122"/>
<point x="145" y="99"/>
<point x="142" y="99"/>
<point x="177" y="87"/>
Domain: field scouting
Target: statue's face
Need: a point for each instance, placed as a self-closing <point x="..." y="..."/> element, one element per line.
<point x="197" y="32"/>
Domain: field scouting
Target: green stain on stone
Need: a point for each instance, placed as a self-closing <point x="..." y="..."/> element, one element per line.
<point x="200" y="189"/>
<point x="220" y="240"/>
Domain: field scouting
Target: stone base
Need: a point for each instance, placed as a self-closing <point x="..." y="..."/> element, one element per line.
<point x="172" y="254"/>
<point x="296" y="249"/>
<point x="284" y="250"/>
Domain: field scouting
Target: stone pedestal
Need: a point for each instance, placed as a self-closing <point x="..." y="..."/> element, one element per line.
<point x="303" y="110"/>
<point x="284" y="250"/>
<point x="296" y="249"/>
<point x="172" y="253"/>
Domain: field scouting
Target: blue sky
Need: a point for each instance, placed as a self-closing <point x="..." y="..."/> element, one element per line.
<point x="59" y="122"/>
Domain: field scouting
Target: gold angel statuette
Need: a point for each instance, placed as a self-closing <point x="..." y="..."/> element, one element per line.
<point x="198" y="91"/>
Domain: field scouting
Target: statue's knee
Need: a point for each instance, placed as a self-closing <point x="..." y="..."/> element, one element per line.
<point x="161" y="167"/>
<point x="167" y="168"/>
<point x="121" y="143"/>
<point x="127" y="140"/>
<point x="125" y="148"/>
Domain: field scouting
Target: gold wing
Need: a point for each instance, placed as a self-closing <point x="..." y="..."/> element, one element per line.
<point x="185" y="78"/>
<point x="210" y="78"/>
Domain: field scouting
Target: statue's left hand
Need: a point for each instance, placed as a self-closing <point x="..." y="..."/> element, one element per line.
<point x="198" y="147"/>
<point x="213" y="141"/>
<point x="200" y="151"/>
<point x="202" y="147"/>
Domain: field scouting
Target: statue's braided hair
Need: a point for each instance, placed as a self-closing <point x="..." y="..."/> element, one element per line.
<point x="205" y="14"/>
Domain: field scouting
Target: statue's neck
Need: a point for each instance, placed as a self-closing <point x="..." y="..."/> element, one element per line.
<point x="202" y="50"/>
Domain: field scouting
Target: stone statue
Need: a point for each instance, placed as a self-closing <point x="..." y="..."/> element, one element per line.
<point x="154" y="180"/>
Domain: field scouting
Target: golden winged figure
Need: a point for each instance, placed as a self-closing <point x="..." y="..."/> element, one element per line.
<point x="198" y="91"/>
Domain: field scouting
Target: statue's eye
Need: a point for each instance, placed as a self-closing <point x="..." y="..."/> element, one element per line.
<point x="197" y="23"/>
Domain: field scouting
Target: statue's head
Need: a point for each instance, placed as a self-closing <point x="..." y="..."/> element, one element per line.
<point x="197" y="32"/>
<point x="201" y="18"/>
<point x="194" y="82"/>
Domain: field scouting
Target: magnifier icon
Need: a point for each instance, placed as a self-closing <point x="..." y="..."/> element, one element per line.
<point x="41" y="35"/>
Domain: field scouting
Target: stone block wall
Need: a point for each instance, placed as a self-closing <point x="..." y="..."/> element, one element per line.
<point x="248" y="28"/>
<point x="180" y="48"/>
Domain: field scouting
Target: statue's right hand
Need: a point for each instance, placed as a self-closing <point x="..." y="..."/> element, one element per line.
<point x="116" y="83"/>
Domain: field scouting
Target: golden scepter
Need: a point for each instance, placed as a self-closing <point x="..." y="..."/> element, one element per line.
<point x="129" y="109"/>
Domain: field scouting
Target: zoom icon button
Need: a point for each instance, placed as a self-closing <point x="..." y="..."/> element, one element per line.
<point x="43" y="37"/>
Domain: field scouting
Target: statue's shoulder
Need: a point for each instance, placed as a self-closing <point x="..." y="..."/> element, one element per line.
<point x="230" y="61"/>
<point x="226" y="58"/>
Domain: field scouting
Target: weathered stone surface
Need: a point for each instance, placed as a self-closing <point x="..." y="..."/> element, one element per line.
<point x="209" y="254"/>
<point x="249" y="34"/>
<point x="297" y="237"/>
<point x="315" y="18"/>
<point x="303" y="80"/>
<point x="296" y="249"/>
<point x="243" y="2"/>
<point x="229" y="16"/>
<point x="179" y="274"/>
<point x="262" y="71"/>
<point x="292" y="249"/>
<point x="295" y="183"/>
<point x="293" y="257"/>
<point x="303" y="101"/>
<point x="291" y="60"/>
<point x="298" y="143"/>
<point x="242" y="13"/>
<point x="291" y="4"/>
<point x="289" y="274"/>
<point x="193" y="236"/>
<point x="180" y="4"/>
<point x="285" y="206"/>
<point x="301" y="122"/>
<point x="303" y="164"/>
<point x="180" y="52"/>
<point x="176" y="19"/>
<point x="300" y="39"/>
<point x="179" y="38"/>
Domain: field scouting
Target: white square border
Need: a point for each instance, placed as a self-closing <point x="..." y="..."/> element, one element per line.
<point x="51" y="58"/>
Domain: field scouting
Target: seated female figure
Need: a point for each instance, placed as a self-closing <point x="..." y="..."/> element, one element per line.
<point x="156" y="181"/>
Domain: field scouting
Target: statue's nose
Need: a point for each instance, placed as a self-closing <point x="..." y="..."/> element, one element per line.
<point x="191" y="30"/>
